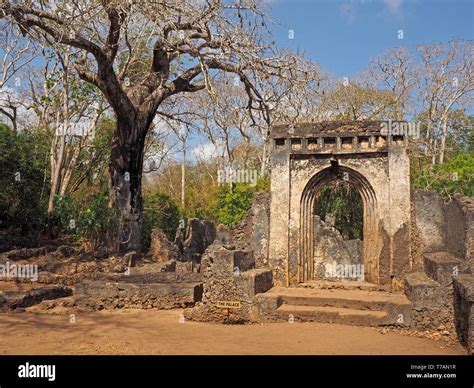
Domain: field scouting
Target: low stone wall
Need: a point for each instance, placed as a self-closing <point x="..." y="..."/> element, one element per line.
<point x="13" y="300"/>
<point x="165" y="290"/>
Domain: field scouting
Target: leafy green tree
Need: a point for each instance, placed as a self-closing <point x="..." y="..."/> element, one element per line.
<point x="235" y="201"/>
<point x="24" y="179"/>
<point x="454" y="176"/>
<point x="159" y="212"/>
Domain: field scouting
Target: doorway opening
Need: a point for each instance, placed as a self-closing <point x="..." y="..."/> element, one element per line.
<point x="338" y="231"/>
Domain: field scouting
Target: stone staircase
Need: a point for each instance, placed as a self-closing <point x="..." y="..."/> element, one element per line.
<point x="345" y="302"/>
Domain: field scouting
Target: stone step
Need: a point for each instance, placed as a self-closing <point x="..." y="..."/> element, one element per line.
<point x="355" y="298"/>
<point x="441" y="266"/>
<point x="344" y="285"/>
<point x="259" y="280"/>
<point x="338" y="315"/>
<point x="332" y="304"/>
<point x="422" y="290"/>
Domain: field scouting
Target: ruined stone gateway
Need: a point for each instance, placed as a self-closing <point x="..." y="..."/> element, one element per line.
<point x="416" y="251"/>
<point x="306" y="157"/>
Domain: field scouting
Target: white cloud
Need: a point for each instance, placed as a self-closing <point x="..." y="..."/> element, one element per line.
<point x="393" y="5"/>
<point x="350" y="8"/>
<point x="206" y="151"/>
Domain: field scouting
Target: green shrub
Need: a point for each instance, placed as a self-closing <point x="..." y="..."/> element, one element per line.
<point x="234" y="201"/>
<point x="24" y="178"/>
<point x="454" y="176"/>
<point x="97" y="222"/>
<point x="91" y="219"/>
<point x="159" y="212"/>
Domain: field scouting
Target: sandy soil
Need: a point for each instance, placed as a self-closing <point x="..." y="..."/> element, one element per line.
<point x="163" y="332"/>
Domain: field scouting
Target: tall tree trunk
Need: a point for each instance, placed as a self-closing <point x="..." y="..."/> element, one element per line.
<point x="265" y="156"/>
<point x="57" y="163"/>
<point x="442" y="147"/>
<point x="183" y="175"/>
<point x="434" y="149"/>
<point x="125" y="169"/>
<point x="56" y="175"/>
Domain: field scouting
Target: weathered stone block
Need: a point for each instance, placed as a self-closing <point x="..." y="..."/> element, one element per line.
<point x="422" y="291"/>
<point x="161" y="249"/>
<point x="224" y="284"/>
<point x="226" y="261"/>
<point x="441" y="266"/>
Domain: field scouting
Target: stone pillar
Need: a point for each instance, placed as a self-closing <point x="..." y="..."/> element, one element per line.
<point x="399" y="208"/>
<point x="279" y="210"/>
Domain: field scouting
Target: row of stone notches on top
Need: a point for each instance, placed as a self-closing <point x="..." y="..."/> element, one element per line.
<point x="337" y="142"/>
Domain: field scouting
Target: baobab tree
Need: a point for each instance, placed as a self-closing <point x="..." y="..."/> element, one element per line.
<point x="139" y="54"/>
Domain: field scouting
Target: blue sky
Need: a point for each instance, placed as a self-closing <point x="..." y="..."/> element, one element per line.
<point x="342" y="35"/>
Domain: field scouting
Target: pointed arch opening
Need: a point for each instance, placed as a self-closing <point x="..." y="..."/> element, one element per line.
<point x="306" y="262"/>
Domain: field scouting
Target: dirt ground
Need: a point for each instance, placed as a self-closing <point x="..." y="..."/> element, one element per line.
<point x="164" y="333"/>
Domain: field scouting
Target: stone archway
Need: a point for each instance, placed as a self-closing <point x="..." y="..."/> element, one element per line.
<point x="376" y="163"/>
<point x="308" y="198"/>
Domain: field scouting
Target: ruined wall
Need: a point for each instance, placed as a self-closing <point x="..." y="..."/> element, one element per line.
<point x="251" y="233"/>
<point x="464" y="310"/>
<point x="330" y="248"/>
<point x="230" y="278"/>
<point x="459" y="230"/>
<point x="188" y="246"/>
<point x="430" y="219"/>
<point x="445" y="226"/>
<point x="440" y="288"/>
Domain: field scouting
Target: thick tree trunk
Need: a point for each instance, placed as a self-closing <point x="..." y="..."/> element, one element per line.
<point x="125" y="168"/>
